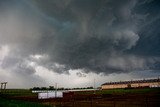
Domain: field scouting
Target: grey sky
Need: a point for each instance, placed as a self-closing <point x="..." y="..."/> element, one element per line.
<point x="78" y="39"/>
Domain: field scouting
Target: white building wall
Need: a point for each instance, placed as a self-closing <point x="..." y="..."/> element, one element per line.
<point x="113" y="86"/>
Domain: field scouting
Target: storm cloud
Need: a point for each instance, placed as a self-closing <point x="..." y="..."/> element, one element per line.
<point x="101" y="36"/>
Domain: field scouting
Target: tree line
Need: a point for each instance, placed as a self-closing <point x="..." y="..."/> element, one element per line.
<point x="61" y="88"/>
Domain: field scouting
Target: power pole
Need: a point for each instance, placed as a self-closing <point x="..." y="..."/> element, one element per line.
<point x="94" y="86"/>
<point x="5" y="83"/>
<point x="56" y="90"/>
<point x="3" y="86"/>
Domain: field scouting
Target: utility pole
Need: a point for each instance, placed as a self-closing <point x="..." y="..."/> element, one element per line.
<point x="3" y="86"/>
<point x="56" y="90"/>
<point x="5" y="83"/>
<point x="94" y="86"/>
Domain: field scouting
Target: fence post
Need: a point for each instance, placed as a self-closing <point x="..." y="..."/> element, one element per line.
<point x="91" y="102"/>
<point x="146" y="101"/>
<point x="114" y="103"/>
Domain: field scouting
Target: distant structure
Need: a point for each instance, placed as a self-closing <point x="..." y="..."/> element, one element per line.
<point x="3" y="85"/>
<point x="132" y="84"/>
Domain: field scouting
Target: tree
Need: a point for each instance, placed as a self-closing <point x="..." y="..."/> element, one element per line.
<point x="36" y="88"/>
<point x="43" y="88"/>
<point x="51" y="88"/>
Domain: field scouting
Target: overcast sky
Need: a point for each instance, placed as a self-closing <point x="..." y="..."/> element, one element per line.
<point x="73" y="42"/>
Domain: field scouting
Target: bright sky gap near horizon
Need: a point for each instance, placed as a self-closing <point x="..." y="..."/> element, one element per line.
<point x="73" y="42"/>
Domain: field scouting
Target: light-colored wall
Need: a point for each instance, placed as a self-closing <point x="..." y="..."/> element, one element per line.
<point x="112" y="86"/>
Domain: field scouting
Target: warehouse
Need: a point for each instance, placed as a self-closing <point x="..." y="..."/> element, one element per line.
<point x="132" y="84"/>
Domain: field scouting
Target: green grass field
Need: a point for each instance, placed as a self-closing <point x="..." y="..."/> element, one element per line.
<point x="5" y="101"/>
<point x="18" y="92"/>
<point x="122" y="91"/>
<point x="15" y="103"/>
<point x="27" y="92"/>
<point x="129" y="91"/>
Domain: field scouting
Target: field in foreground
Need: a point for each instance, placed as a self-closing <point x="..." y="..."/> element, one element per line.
<point x="15" y="103"/>
<point x="19" y="98"/>
<point x="101" y="98"/>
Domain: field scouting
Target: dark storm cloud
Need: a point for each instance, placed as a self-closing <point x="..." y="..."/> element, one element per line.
<point x="17" y="65"/>
<point x="102" y="36"/>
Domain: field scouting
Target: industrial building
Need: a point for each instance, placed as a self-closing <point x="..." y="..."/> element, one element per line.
<point x="132" y="84"/>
